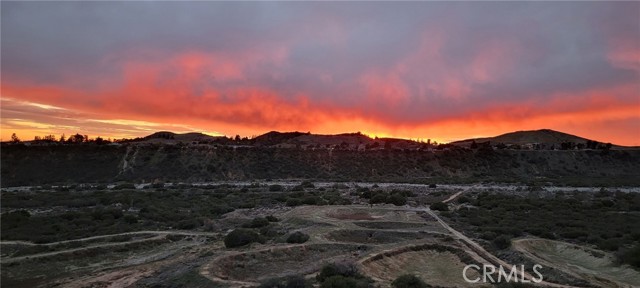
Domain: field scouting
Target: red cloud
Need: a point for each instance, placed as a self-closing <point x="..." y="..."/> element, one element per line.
<point x="211" y="92"/>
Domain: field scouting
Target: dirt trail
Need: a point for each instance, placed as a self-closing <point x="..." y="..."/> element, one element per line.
<point x="160" y="235"/>
<point x="484" y="253"/>
<point x="454" y="196"/>
<point x="103" y="245"/>
<point x="600" y="279"/>
<point x="165" y="232"/>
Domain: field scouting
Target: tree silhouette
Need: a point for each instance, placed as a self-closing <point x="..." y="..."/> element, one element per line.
<point x="14" y="138"/>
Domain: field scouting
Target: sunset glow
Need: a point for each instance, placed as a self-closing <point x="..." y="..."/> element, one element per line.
<point x="443" y="71"/>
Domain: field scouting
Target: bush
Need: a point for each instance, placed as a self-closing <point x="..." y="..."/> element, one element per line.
<point x="335" y="269"/>
<point x="130" y="219"/>
<point x="275" y="188"/>
<point x="339" y="281"/>
<point x="312" y="200"/>
<point x="378" y="198"/>
<point x="285" y="282"/>
<point x="297" y="237"/>
<point x="307" y="184"/>
<point x="397" y="199"/>
<point x="272" y="218"/>
<point x="293" y="202"/>
<point x="502" y="242"/>
<point x="463" y="199"/>
<point x="240" y="237"/>
<point x="339" y="186"/>
<point x="256" y="223"/>
<point x="408" y="281"/>
<point x="630" y="256"/>
<point x="439" y="206"/>
<point x="124" y="186"/>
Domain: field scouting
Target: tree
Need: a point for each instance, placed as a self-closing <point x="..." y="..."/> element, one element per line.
<point x="397" y="199"/>
<point x="378" y="198"/>
<point x="76" y="138"/>
<point x="335" y="269"/>
<point x="439" y="206"/>
<point x="408" y="281"/>
<point x="297" y="237"/>
<point x="14" y="138"/>
<point x="502" y="242"/>
<point x="240" y="237"/>
<point x="62" y="138"/>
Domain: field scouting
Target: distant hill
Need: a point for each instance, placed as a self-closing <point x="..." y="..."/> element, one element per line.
<point x="345" y="140"/>
<point x="170" y="137"/>
<point x="275" y="137"/>
<point x="543" y="136"/>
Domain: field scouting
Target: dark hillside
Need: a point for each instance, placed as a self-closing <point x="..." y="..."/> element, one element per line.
<point x="37" y="165"/>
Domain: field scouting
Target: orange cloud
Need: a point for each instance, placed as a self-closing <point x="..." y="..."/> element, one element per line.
<point x="191" y="91"/>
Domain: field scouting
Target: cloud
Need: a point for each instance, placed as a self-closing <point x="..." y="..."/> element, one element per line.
<point x="440" y="70"/>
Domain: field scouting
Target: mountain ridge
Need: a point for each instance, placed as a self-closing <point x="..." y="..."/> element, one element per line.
<point x="544" y="136"/>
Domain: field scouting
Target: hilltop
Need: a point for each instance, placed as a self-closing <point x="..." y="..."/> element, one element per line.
<point x="275" y="139"/>
<point x="170" y="137"/>
<point x="544" y="137"/>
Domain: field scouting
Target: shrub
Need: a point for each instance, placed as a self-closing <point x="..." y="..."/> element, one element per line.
<point x="502" y="242"/>
<point x="297" y="237"/>
<point x="240" y="237"/>
<point x="335" y="269"/>
<point x="307" y="184"/>
<point x="463" y="199"/>
<point x="272" y="218"/>
<point x="630" y="256"/>
<point x="269" y="231"/>
<point x="124" y="186"/>
<point x="275" y="188"/>
<point x="256" y="223"/>
<point x="285" y="282"/>
<point x="397" y="199"/>
<point x="408" y="281"/>
<point x="293" y="202"/>
<point x="339" y="186"/>
<point x="313" y="200"/>
<point x="130" y="219"/>
<point x="339" y="281"/>
<point x="439" y="206"/>
<point x="378" y="198"/>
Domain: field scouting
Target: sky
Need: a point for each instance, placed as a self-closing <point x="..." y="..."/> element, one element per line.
<point x="420" y="70"/>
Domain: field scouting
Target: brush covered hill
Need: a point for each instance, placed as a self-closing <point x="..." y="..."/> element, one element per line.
<point x="546" y="137"/>
<point x="356" y="141"/>
<point x="173" y="138"/>
<point x="68" y="164"/>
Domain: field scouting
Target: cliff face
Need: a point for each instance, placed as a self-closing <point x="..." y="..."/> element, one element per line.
<point x="38" y="165"/>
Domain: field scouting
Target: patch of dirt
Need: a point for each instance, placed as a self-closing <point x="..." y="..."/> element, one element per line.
<point x="593" y="265"/>
<point x="351" y="215"/>
<point x="391" y="225"/>
<point x="374" y="236"/>
<point x="281" y="261"/>
<point x="382" y="213"/>
<point x="437" y="267"/>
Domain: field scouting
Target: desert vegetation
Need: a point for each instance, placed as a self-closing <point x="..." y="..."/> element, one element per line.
<point x="69" y="164"/>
